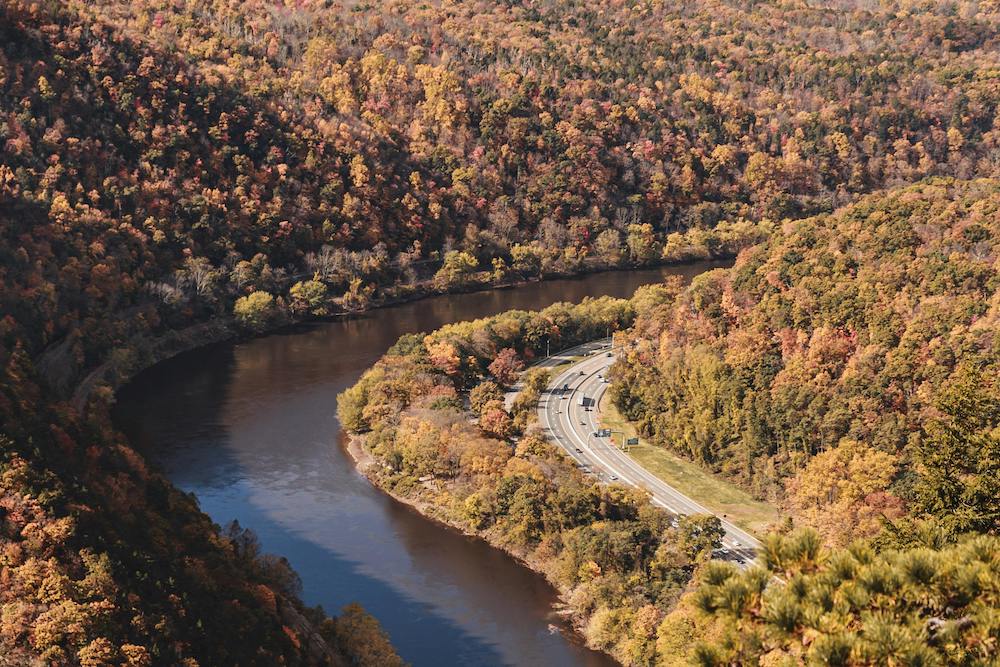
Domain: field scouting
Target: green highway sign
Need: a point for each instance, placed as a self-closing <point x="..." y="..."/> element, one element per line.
<point x="632" y="441"/>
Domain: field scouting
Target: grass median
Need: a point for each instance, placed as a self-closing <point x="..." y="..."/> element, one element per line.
<point x="703" y="487"/>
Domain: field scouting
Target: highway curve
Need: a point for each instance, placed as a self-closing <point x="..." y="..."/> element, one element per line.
<point x="574" y="426"/>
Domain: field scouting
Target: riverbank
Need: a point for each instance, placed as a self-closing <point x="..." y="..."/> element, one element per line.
<point x="365" y="463"/>
<point x="618" y="562"/>
<point x="214" y="421"/>
<point x="124" y="363"/>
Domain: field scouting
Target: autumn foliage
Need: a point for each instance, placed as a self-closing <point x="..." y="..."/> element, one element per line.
<point x="620" y="562"/>
<point x="173" y="173"/>
<point x="846" y="367"/>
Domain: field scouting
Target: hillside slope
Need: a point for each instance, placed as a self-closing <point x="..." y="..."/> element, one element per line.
<point x="847" y="366"/>
<point x="104" y="562"/>
<point x="172" y="165"/>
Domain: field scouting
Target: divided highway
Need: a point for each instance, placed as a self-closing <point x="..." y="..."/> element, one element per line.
<point x="574" y="426"/>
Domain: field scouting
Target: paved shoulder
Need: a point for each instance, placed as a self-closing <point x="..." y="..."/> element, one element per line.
<point x="562" y="357"/>
<point x="569" y="413"/>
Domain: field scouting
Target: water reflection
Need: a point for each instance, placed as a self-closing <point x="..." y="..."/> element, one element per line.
<point x="251" y="430"/>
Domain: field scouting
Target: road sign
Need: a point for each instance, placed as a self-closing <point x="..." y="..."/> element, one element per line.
<point x="632" y="441"/>
<point x="604" y="433"/>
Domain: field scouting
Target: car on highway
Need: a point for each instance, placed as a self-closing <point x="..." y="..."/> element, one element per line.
<point x="579" y="451"/>
<point x="614" y="478"/>
<point x="610" y="355"/>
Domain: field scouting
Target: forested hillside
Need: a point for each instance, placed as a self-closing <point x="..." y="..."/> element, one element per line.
<point x="162" y="160"/>
<point x="849" y="369"/>
<point x="848" y="366"/>
<point x="168" y="169"/>
<point x="102" y="561"/>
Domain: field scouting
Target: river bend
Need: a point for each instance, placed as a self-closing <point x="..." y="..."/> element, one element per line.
<point x="250" y="428"/>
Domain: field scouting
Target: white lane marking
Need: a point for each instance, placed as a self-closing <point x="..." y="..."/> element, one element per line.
<point x="570" y="433"/>
<point x="696" y="508"/>
<point x="622" y="458"/>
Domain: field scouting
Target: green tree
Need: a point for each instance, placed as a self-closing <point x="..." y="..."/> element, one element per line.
<point x="958" y="459"/>
<point x="500" y="270"/>
<point x="641" y="242"/>
<point x="455" y="271"/>
<point x="526" y="259"/>
<point x="699" y="535"/>
<point x="855" y="607"/>
<point x="608" y="246"/>
<point x="310" y="296"/>
<point x="255" y="311"/>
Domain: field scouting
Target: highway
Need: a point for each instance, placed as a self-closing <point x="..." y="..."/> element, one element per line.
<point x="574" y="427"/>
<point x="559" y="358"/>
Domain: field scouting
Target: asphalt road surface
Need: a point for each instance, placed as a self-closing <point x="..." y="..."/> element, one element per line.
<point x="574" y="426"/>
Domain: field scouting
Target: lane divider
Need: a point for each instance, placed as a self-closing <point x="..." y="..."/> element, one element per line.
<point x="571" y="378"/>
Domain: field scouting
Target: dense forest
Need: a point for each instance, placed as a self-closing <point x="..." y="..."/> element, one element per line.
<point x="173" y="172"/>
<point x="162" y="160"/>
<point x="847" y="367"/>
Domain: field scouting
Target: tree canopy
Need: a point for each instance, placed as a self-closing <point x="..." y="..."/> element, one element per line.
<point x="855" y="606"/>
<point x="170" y="168"/>
<point x="845" y="367"/>
<point x="620" y="562"/>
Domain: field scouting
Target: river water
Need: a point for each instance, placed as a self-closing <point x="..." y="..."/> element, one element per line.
<point x="251" y="429"/>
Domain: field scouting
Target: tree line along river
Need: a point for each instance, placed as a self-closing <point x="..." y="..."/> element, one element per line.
<point x="250" y="428"/>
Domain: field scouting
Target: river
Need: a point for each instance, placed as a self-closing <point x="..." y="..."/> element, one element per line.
<point x="250" y="428"/>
